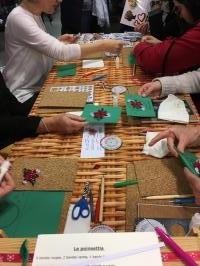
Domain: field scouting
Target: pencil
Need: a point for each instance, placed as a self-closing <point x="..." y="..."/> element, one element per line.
<point x="134" y="70"/>
<point x="97" y="208"/>
<point x="125" y="183"/>
<point x="169" y="197"/>
<point x="101" y="201"/>
<point x="93" y="72"/>
<point x="117" y="62"/>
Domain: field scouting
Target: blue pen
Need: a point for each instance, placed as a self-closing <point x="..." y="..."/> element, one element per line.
<point x="183" y="201"/>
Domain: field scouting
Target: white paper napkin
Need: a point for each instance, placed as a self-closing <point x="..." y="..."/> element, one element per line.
<point x="173" y="109"/>
<point x="159" y="150"/>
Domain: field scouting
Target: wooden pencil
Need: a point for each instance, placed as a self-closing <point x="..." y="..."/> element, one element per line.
<point x="93" y="72"/>
<point x="134" y="70"/>
<point x="160" y="197"/>
<point x="101" y="200"/>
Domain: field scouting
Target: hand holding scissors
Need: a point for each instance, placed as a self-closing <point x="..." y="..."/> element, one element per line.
<point x="81" y="207"/>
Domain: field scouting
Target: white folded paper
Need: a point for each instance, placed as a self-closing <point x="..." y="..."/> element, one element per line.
<point x="92" y="63"/>
<point x="158" y="150"/>
<point x="173" y="109"/>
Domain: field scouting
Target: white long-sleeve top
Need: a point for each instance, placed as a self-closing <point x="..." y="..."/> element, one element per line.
<point x="186" y="83"/>
<point x="30" y="51"/>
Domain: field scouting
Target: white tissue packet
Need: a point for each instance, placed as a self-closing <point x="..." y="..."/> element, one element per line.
<point x="159" y="150"/>
<point x="173" y="109"/>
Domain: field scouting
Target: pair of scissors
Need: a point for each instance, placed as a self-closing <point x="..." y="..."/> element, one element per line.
<point x="81" y="207"/>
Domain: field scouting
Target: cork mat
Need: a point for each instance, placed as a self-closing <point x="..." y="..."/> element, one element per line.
<point x="57" y="110"/>
<point x="55" y="173"/>
<point x="63" y="99"/>
<point x="161" y="177"/>
<point x="153" y="210"/>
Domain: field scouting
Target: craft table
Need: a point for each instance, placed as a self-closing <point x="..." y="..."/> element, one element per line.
<point x="113" y="166"/>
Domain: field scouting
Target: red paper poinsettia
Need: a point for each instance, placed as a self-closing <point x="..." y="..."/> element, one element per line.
<point x="100" y="114"/>
<point x="136" y="104"/>
<point x="197" y="166"/>
<point x="30" y="175"/>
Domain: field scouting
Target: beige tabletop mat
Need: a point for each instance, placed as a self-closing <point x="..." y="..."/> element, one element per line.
<point x="55" y="173"/>
<point x="63" y="99"/>
<point x="161" y="177"/>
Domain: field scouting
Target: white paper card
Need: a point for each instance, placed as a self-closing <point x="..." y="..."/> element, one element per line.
<point x="81" y="225"/>
<point x="98" y="249"/>
<point x="135" y="12"/>
<point x="92" y="135"/>
<point x="92" y="63"/>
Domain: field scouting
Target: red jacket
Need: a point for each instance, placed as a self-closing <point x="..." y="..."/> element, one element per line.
<point x="173" y="55"/>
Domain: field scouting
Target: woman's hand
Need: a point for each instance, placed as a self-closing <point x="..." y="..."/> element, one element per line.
<point x="152" y="89"/>
<point x="61" y="124"/>
<point x="7" y="184"/>
<point x="112" y="46"/>
<point x="150" y="39"/>
<point x="185" y="136"/>
<point x="69" y="38"/>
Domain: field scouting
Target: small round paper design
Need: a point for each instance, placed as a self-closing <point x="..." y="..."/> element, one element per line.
<point x="111" y="142"/>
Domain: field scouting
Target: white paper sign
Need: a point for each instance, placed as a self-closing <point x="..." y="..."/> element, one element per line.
<point x="92" y="135"/>
<point x="135" y="12"/>
<point x="96" y="249"/>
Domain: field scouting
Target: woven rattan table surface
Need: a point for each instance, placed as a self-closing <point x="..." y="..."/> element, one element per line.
<point x="113" y="166"/>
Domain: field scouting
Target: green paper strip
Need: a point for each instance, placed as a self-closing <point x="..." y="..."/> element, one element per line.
<point x="66" y="70"/>
<point x="131" y="59"/>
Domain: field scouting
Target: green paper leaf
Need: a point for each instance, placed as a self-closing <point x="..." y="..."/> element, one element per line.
<point x="24" y="252"/>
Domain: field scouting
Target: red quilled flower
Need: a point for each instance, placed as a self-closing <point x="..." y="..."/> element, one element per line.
<point x="197" y="166"/>
<point x="136" y="104"/>
<point x="30" y="175"/>
<point x="100" y="114"/>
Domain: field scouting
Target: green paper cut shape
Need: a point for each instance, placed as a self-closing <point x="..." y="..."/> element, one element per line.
<point x="131" y="59"/>
<point x="188" y="159"/>
<point x="139" y="106"/>
<point x="30" y="213"/>
<point x="66" y="70"/>
<point x="24" y="252"/>
<point x="101" y="114"/>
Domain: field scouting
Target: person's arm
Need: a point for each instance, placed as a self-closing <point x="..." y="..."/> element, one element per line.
<point x="61" y="124"/>
<point x="186" y="83"/>
<point x="183" y="53"/>
<point x="27" y="32"/>
<point x="17" y="127"/>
